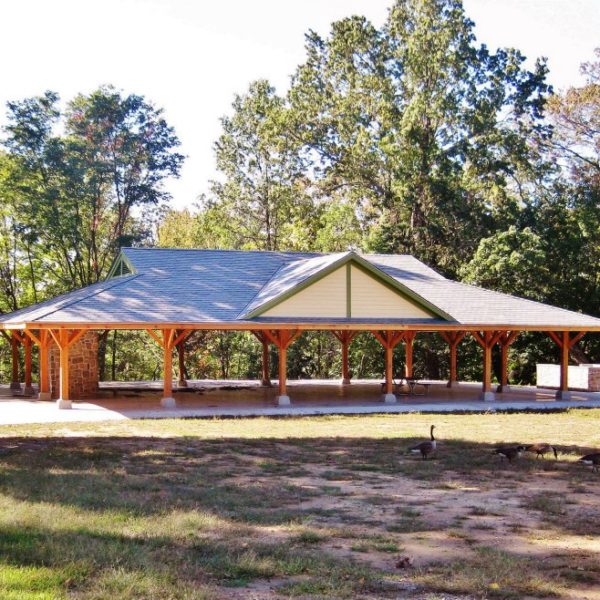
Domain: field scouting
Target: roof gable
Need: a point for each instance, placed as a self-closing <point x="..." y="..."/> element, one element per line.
<point x="293" y="280"/>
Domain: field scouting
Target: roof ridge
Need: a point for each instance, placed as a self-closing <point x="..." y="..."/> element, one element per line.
<point x="232" y="250"/>
<point x="243" y="311"/>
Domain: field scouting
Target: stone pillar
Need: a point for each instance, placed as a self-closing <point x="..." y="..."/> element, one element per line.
<point x="82" y="368"/>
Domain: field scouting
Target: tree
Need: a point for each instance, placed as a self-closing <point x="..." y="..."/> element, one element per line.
<point x="262" y="197"/>
<point x="74" y="191"/>
<point x="423" y="129"/>
<point x="511" y="261"/>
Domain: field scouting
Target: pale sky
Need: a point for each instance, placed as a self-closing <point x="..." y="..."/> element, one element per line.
<point x="190" y="56"/>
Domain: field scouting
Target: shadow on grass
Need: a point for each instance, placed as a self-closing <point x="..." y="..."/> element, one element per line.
<point x="110" y="516"/>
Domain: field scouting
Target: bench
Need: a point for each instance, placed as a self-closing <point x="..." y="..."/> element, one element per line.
<point x="408" y="386"/>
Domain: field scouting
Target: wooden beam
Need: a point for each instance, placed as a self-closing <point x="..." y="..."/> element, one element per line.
<point x="305" y="326"/>
<point x="409" y="338"/>
<point x="156" y="337"/>
<point x="75" y="336"/>
<point x="266" y="377"/>
<point x="44" y="365"/>
<point x="28" y="389"/>
<point x="576" y="338"/>
<point x="64" y="400"/>
<point x="564" y="362"/>
<point x="556" y="339"/>
<point x="15" y="383"/>
<point x="181" y="336"/>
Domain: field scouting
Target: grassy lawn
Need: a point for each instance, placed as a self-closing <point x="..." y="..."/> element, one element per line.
<point x="321" y="507"/>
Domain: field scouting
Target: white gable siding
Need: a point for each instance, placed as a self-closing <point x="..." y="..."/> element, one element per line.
<point x="324" y="298"/>
<point x="371" y="299"/>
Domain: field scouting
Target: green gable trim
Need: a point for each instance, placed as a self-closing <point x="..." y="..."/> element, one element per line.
<point x="348" y="290"/>
<point x="121" y="266"/>
<point x="351" y="258"/>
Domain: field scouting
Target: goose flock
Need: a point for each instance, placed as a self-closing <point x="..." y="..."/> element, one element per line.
<point x="428" y="447"/>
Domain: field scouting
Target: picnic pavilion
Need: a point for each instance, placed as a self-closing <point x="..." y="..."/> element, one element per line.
<point x="170" y="293"/>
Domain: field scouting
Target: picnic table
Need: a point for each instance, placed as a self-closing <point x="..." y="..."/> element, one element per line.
<point x="409" y="386"/>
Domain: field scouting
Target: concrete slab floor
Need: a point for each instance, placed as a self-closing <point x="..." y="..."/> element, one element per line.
<point x="209" y="398"/>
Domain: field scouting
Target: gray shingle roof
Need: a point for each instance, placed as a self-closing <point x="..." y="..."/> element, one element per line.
<point x="221" y="286"/>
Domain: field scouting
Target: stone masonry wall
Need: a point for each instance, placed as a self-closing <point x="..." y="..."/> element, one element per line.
<point x="83" y="367"/>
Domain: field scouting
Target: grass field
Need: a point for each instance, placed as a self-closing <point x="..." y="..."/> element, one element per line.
<point x="321" y="507"/>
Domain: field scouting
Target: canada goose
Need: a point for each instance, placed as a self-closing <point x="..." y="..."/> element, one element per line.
<point x="591" y="459"/>
<point x="510" y="452"/>
<point x="425" y="448"/>
<point x="542" y="449"/>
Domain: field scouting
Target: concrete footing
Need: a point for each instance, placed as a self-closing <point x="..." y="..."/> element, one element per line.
<point x="283" y="401"/>
<point x="28" y="391"/>
<point x="452" y="384"/>
<point x="15" y="385"/>
<point x="390" y="399"/>
<point x="346" y="381"/>
<point x="487" y="396"/>
<point x="563" y="395"/>
<point x="266" y="383"/>
<point x="44" y="396"/>
<point x="182" y="383"/>
<point x="64" y="404"/>
<point x="168" y="402"/>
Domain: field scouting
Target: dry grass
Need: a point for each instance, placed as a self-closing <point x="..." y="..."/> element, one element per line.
<point x="315" y="508"/>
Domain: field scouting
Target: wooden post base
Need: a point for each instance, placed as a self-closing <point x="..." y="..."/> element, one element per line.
<point x="266" y="383"/>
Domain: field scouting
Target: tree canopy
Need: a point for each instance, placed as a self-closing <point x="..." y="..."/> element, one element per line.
<point x="411" y="137"/>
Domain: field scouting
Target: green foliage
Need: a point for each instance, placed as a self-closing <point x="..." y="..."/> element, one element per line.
<point x="408" y="138"/>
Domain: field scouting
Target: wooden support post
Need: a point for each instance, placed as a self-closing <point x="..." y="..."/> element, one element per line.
<point x="565" y="342"/>
<point x="44" y="366"/>
<point x="167" y="401"/>
<point x="453" y="338"/>
<point x="181" y="364"/>
<point x="389" y="340"/>
<point x="266" y="378"/>
<point x="264" y="340"/>
<point x="28" y="389"/>
<point x="564" y="367"/>
<point x="506" y="339"/>
<point x="487" y="340"/>
<point x="15" y="383"/>
<point x="409" y="338"/>
<point x="345" y="338"/>
<point x="282" y="338"/>
<point x="64" y="398"/>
